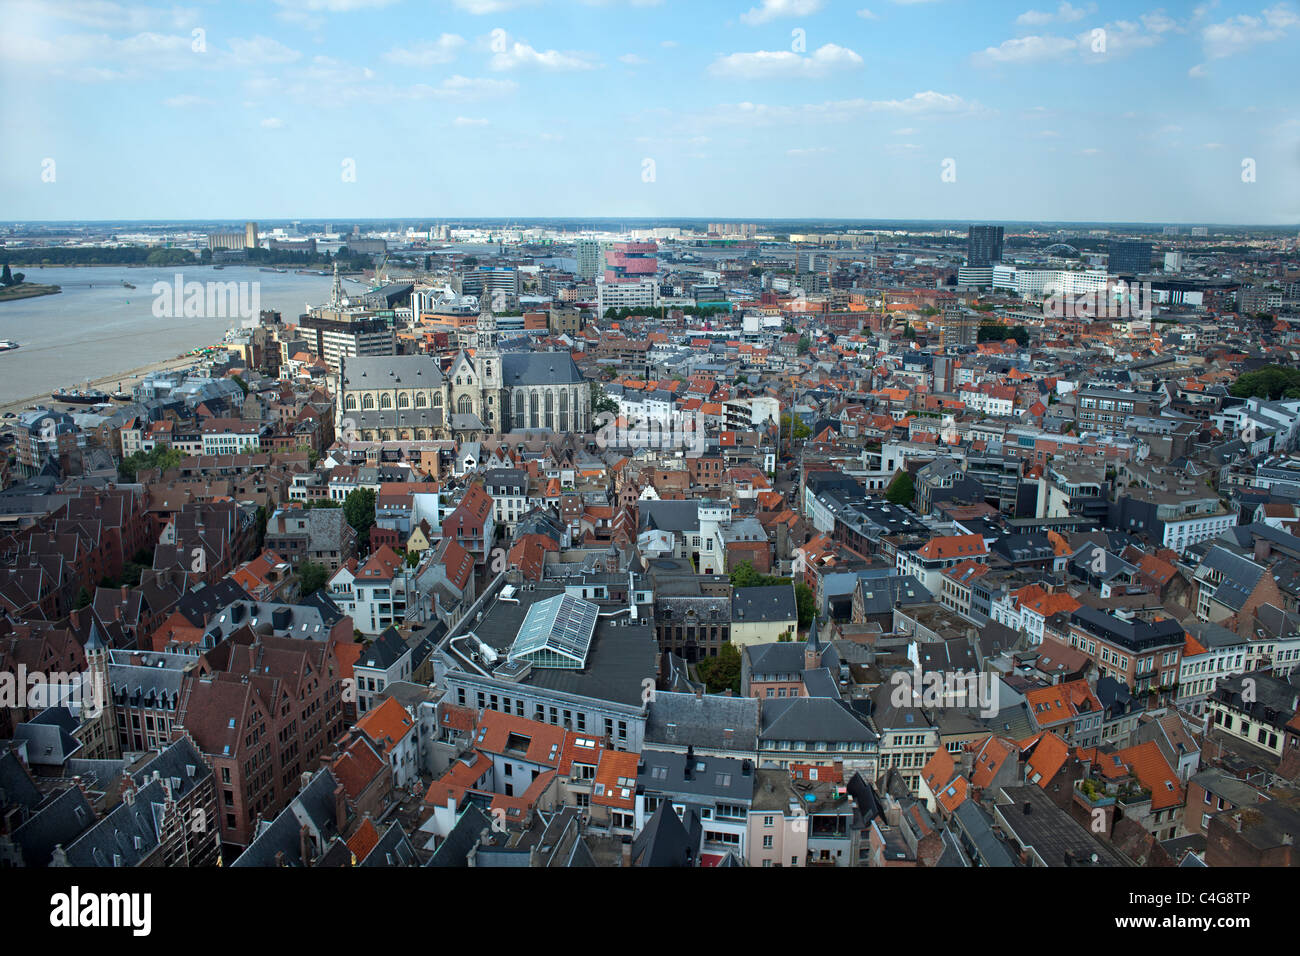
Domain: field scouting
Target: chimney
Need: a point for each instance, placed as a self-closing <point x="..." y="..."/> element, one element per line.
<point x="75" y="618"/>
<point x="340" y="808"/>
<point x="125" y="591"/>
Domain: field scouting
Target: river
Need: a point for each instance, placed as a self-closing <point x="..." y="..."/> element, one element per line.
<point x="97" y="327"/>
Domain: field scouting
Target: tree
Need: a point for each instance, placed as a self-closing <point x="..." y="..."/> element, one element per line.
<point x="311" y="577"/>
<point x="800" y="429"/>
<point x="908" y="331"/>
<point x="6" y="277"/>
<point x="993" y="332"/>
<point x="160" y="456"/>
<point x="805" y="344"/>
<point x="261" y="520"/>
<point x="745" y="575"/>
<point x="600" y="402"/>
<point x="243" y="386"/>
<point x="83" y="596"/>
<point x="721" y="673"/>
<point x="806" y="603"/>
<point x="359" y="510"/>
<point x="901" y="490"/>
<point x="1271" y="382"/>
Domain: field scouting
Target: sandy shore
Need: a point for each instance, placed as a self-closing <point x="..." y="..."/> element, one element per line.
<point x="108" y="383"/>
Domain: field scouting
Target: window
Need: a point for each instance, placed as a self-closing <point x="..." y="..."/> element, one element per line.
<point x="767" y="842"/>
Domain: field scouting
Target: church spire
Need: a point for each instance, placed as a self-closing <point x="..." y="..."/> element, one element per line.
<point x="336" y="291"/>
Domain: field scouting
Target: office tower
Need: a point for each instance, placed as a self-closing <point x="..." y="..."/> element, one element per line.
<point x="983" y="246"/>
<point x="1128" y="257"/>
<point x="250" y="235"/>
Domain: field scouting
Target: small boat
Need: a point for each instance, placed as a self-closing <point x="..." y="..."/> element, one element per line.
<point x="127" y="284"/>
<point x="7" y="345"/>
<point x="121" y="396"/>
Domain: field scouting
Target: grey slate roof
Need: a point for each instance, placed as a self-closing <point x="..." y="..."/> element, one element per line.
<point x="393" y="849"/>
<point x="389" y="371"/>
<point x="16" y="784"/>
<point x="769" y="603"/>
<point x="668" y="841"/>
<point x="812" y="719"/>
<point x="57" y="823"/>
<point x="313" y="807"/>
<point x="686" y="720"/>
<point x="724" y="778"/>
<point x="539" y="368"/>
<point x="464" y="836"/>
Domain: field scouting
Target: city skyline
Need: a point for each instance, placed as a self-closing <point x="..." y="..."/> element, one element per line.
<point x="777" y="109"/>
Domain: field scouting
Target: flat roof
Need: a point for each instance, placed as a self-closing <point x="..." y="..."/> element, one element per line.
<point x="622" y="653"/>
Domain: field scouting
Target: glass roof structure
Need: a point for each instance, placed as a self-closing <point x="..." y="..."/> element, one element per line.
<point x="556" y="633"/>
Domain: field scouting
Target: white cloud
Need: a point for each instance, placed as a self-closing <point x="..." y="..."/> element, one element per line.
<point x="427" y="52"/>
<point x="522" y="56"/>
<point x="1211" y="146"/>
<point x="832" y="111"/>
<point x="1031" y="49"/>
<point x="468" y="121"/>
<point x="765" y="64"/>
<point x="808" y="151"/>
<point x="262" y="51"/>
<point x="480" y="7"/>
<point x="467" y="88"/>
<point x="185" y="101"/>
<point x="1066" y="13"/>
<point x="866" y="14"/>
<point x="1198" y="71"/>
<point x="631" y="59"/>
<point x="1240" y="33"/>
<point x="272" y="122"/>
<point x="103" y="15"/>
<point x="774" y="9"/>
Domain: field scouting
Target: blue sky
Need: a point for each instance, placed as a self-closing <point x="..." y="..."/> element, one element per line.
<point x="757" y="108"/>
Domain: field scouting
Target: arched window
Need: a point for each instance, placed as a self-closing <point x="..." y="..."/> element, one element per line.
<point x="437" y="399"/>
<point x="550" y="409"/>
<point x="420" y="400"/>
<point x="403" y="400"/>
<point x="385" y="400"/>
<point x="564" y="411"/>
<point x="367" y="401"/>
<point x="350" y="403"/>
<point x="519" y="407"/>
<point x="534" y="420"/>
<point x="420" y="434"/>
<point x="465" y="405"/>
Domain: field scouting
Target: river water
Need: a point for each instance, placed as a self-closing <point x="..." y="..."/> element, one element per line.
<point x="97" y="327"/>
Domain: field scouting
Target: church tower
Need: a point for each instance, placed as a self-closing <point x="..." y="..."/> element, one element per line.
<point x="487" y="361"/>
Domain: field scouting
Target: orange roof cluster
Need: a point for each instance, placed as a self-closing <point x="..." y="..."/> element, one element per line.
<point x="386" y="724"/>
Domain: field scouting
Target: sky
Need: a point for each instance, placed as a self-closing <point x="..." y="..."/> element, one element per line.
<point x="439" y="109"/>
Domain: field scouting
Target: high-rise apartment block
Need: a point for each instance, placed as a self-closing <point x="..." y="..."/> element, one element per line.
<point x="983" y="246"/>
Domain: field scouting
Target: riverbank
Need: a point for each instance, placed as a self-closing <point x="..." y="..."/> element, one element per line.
<point x="27" y="290"/>
<point x="108" y="383"/>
